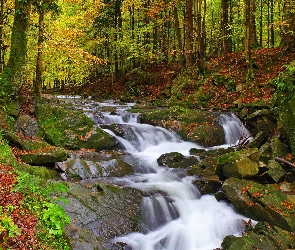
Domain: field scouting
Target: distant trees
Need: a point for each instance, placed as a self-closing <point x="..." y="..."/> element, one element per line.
<point x="92" y="39"/>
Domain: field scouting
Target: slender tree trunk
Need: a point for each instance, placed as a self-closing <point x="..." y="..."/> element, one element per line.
<point x="260" y="23"/>
<point x="248" y="39"/>
<point x="178" y="37"/>
<point x="253" y="35"/>
<point x="225" y="32"/>
<point x="14" y="74"/>
<point x="39" y="70"/>
<point x="1" y="35"/>
<point x="272" y="32"/>
<point x="189" y="33"/>
<point x="288" y="37"/>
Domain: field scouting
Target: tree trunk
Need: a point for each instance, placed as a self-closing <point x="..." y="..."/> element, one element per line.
<point x="253" y="35"/>
<point x="189" y="33"/>
<point x="39" y="70"/>
<point x="225" y="32"/>
<point x="1" y="35"/>
<point x="178" y="37"/>
<point x="288" y="37"/>
<point x="248" y="39"/>
<point x="14" y="74"/>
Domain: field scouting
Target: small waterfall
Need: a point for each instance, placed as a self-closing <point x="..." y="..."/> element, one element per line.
<point x="234" y="130"/>
<point x="174" y="214"/>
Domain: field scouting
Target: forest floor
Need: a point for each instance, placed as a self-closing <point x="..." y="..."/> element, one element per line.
<point x="153" y="82"/>
<point x="268" y="63"/>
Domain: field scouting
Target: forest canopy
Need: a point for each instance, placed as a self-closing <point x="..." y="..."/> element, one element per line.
<point x="70" y="42"/>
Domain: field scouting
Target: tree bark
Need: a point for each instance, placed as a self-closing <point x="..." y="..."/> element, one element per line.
<point x="39" y="70"/>
<point x="189" y="33"/>
<point x="248" y="39"/>
<point x="1" y="35"/>
<point x="178" y="37"/>
<point x="14" y="74"/>
<point x="225" y="31"/>
<point x="288" y="37"/>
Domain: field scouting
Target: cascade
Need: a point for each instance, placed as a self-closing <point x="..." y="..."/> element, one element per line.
<point x="174" y="214"/>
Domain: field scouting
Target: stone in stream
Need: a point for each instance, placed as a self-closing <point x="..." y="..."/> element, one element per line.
<point x="268" y="203"/>
<point x="240" y="164"/>
<point x="85" y="169"/>
<point x="176" y="160"/>
<point x="71" y="129"/>
<point x="100" y="212"/>
<point x="262" y="237"/>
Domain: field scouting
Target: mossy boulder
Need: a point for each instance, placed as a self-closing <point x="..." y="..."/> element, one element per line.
<point x="7" y="158"/>
<point x="198" y="126"/>
<point x="275" y="172"/>
<point x="240" y="164"/>
<point x="262" y="237"/>
<point x="44" y="155"/>
<point x="71" y="129"/>
<point x="176" y="160"/>
<point x="267" y="203"/>
<point x="39" y="171"/>
<point x="27" y="126"/>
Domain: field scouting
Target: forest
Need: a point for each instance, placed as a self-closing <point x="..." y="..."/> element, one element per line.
<point x="181" y="61"/>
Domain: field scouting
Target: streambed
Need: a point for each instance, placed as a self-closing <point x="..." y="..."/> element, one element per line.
<point x="166" y="210"/>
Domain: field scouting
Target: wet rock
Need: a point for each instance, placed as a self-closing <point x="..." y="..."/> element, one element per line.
<point x="258" y="140"/>
<point x="71" y="129"/>
<point x="240" y="164"/>
<point x="199" y="126"/>
<point x="83" y="169"/>
<point x="98" y="215"/>
<point x="266" y="203"/>
<point x="265" y="152"/>
<point x="208" y="184"/>
<point x="176" y="160"/>
<point x="262" y="237"/>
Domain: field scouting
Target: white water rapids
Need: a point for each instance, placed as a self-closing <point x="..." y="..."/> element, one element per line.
<point x="175" y="216"/>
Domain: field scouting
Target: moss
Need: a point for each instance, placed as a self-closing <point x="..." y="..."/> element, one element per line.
<point x="71" y="129"/>
<point x="194" y="125"/>
<point x="7" y="157"/>
<point x="39" y="171"/>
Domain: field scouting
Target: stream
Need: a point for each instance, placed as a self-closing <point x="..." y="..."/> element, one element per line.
<point x="174" y="216"/>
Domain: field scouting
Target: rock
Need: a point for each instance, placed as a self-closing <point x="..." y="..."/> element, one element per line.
<point x="176" y="160"/>
<point x="265" y="152"/>
<point x="203" y="153"/>
<point x="240" y="164"/>
<point x="275" y="172"/>
<point x="100" y="212"/>
<point x="262" y="237"/>
<point x="44" y="155"/>
<point x="278" y="148"/>
<point x="80" y="168"/>
<point x="71" y="129"/>
<point x="258" y="140"/>
<point x="7" y="158"/>
<point x="27" y="126"/>
<point x="208" y="184"/>
<point x="266" y="203"/>
<point x="199" y="126"/>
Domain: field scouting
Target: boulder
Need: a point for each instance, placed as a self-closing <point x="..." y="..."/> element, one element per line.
<point x="176" y="160"/>
<point x="266" y="203"/>
<point x="43" y="155"/>
<point x="275" y="172"/>
<point x="71" y="129"/>
<point x="262" y="237"/>
<point x="100" y="212"/>
<point x="27" y="126"/>
<point x="85" y="169"/>
<point x="240" y="164"/>
<point x="278" y="148"/>
<point x="198" y="126"/>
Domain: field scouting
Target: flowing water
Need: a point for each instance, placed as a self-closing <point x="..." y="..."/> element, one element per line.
<point x="174" y="214"/>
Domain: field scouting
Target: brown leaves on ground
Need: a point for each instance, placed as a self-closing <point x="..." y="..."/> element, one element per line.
<point x="11" y="204"/>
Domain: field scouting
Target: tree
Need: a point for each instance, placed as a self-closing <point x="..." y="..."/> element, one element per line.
<point x="42" y="6"/>
<point x="14" y="74"/>
<point x="288" y="37"/>
<point x="225" y="30"/>
<point x="189" y="33"/>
